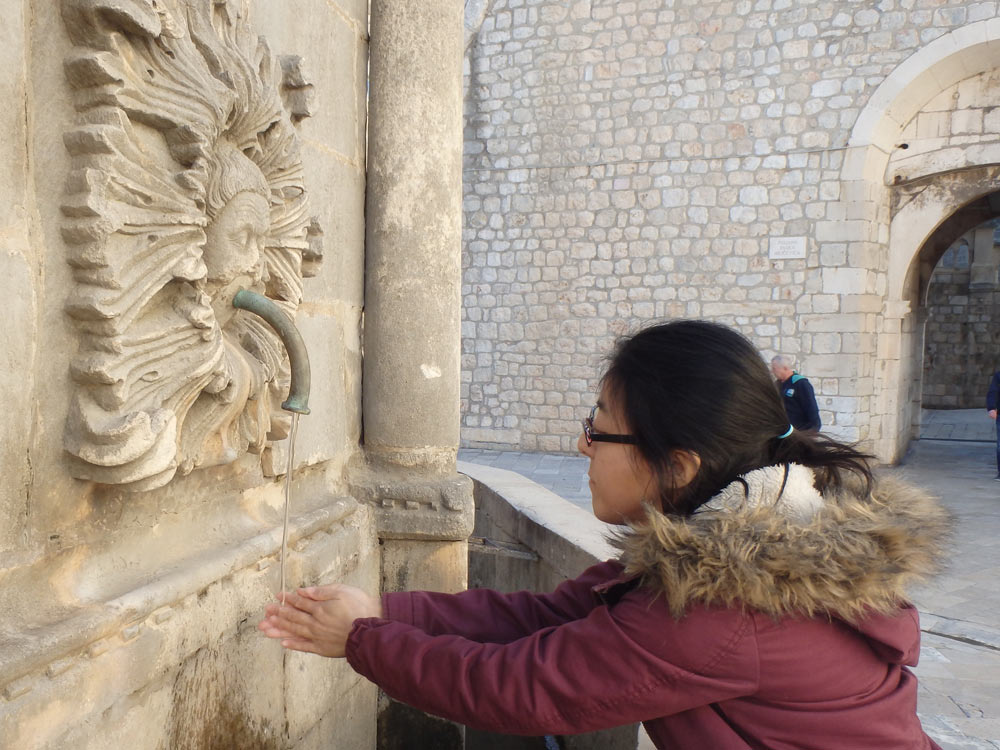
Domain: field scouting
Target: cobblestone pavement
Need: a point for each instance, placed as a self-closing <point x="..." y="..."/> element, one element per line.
<point x="959" y="670"/>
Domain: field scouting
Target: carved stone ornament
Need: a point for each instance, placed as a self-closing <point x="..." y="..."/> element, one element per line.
<point x="186" y="185"/>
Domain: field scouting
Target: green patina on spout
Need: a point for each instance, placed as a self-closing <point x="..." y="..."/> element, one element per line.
<point x="298" y="357"/>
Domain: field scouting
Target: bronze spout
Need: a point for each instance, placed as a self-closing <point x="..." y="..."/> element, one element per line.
<point x="298" y="357"/>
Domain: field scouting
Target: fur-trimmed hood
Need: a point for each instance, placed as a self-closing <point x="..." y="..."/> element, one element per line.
<point x="774" y="544"/>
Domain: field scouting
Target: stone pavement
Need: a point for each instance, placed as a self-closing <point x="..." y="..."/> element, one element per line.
<point x="957" y="424"/>
<point x="959" y="670"/>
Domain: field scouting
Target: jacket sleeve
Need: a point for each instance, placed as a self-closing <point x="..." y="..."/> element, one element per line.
<point x="807" y="398"/>
<point x="618" y="665"/>
<point x="993" y="392"/>
<point x="491" y="617"/>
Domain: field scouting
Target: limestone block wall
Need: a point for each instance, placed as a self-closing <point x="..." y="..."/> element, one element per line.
<point x="127" y="617"/>
<point x="626" y="161"/>
<point x="962" y="350"/>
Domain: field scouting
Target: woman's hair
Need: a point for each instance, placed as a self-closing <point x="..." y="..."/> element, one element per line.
<point x="702" y="387"/>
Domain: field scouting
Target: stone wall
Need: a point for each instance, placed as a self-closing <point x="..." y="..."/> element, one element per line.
<point x="962" y="349"/>
<point x="129" y="603"/>
<point x="737" y="161"/>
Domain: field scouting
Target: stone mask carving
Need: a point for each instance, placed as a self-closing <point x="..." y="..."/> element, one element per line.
<point x="186" y="185"/>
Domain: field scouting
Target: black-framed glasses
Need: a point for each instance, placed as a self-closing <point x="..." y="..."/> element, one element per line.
<point x="602" y="437"/>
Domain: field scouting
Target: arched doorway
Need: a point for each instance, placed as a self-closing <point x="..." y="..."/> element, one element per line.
<point x="931" y="214"/>
<point x="959" y="302"/>
<point x="923" y="166"/>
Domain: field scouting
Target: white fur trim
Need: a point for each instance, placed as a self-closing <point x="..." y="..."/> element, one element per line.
<point x="799" y="499"/>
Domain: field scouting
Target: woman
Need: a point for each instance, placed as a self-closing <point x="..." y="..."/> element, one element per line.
<point x="759" y="601"/>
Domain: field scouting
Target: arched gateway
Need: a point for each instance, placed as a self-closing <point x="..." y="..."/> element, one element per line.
<point x="922" y="168"/>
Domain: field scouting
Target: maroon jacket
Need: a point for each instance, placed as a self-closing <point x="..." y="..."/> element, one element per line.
<point x="702" y="669"/>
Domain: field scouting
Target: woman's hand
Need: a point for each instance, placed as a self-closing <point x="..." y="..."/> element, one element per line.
<point x="318" y="619"/>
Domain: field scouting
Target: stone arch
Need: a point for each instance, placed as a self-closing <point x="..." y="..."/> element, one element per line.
<point x="918" y="204"/>
<point x="932" y="222"/>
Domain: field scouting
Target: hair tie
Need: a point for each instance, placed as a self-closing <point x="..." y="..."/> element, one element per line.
<point x="787" y="433"/>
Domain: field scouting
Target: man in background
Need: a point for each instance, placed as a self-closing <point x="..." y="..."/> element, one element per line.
<point x="992" y="396"/>
<point x="797" y="393"/>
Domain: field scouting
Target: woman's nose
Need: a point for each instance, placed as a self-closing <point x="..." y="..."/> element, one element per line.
<point x="581" y="445"/>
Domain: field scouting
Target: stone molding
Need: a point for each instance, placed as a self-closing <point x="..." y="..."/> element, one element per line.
<point x="186" y="184"/>
<point x="958" y="54"/>
<point x="237" y="581"/>
<point x="434" y="508"/>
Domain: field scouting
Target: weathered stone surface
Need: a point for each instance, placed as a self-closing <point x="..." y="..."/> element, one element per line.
<point x="413" y="214"/>
<point x="335" y="36"/>
<point x="412" y="309"/>
<point x="339" y="186"/>
<point x="170" y="210"/>
<point x="351" y="725"/>
<point x="17" y="381"/>
<point x="128" y="619"/>
<point x="960" y="335"/>
<point x="432" y="507"/>
<point x="196" y="653"/>
<point x="410" y="565"/>
<point x="18" y="267"/>
<point x="330" y="431"/>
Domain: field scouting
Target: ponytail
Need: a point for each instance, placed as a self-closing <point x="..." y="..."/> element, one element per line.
<point x="831" y="461"/>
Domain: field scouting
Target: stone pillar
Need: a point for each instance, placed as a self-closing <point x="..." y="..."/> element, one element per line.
<point x="413" y="243"/>
<point x="897" y="379"/>
<point x="20" y="276"/>
<point x="412" y="317"/>
<point x="983" y="271"/>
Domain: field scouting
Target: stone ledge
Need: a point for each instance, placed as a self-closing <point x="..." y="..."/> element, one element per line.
<point x="478" y="436"/>
<point x="567" y="537"/>
<point x="28" y="654"/>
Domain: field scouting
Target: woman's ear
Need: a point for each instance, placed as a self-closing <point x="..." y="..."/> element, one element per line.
<point x="685" y="465"/>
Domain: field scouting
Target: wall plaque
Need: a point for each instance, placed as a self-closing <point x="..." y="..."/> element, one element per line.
<point x="786" y="248"/>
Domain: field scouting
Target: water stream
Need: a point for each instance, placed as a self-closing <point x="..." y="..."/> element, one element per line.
<point x="288" y="490"/>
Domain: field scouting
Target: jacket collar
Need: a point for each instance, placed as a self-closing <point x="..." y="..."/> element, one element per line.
<point x="771" y="542"/>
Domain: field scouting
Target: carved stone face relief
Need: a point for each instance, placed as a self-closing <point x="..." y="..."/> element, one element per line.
<point x="186" y="185"/>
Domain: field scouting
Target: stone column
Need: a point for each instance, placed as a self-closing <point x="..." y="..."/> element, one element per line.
<point x="413" y="243"/>
<point x="983" y="270"/>
<point x="21" y="280"/>
<point x="897" y="378"/>
<point x="412" y="316"/>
